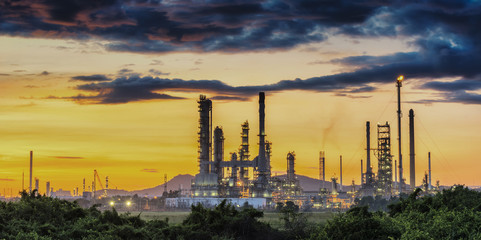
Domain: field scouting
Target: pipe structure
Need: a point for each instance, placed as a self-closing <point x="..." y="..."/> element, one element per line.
<point x="31" y="170"/>
<point x="362" y="174"/>
<point x="412" y="161"/>
<point x="395" y="174"/>
<point x="340" y="166"/>
<point x="429" y="165"/>
<point x="369" y="174"/>
<point x="399" y="115"/>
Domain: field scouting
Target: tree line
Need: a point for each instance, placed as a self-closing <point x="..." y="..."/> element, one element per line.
<point x="451" y="214"/>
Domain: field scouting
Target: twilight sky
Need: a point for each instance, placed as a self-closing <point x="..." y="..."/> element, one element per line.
<point x="112" y="85"/>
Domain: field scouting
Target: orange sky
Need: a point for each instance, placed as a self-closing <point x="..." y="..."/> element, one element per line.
<point x="136" y="143"/>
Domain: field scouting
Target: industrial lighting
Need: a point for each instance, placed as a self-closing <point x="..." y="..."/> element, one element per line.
<point x="112" y="203"/>
<point x="400" y="78"/>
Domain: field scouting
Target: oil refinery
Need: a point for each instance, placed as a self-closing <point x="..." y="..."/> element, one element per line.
<point x="245" y="177"/>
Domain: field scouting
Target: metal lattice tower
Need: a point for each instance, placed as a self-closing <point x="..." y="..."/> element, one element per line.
<point x="244" y="151"/>
<point x="384" y="183"/>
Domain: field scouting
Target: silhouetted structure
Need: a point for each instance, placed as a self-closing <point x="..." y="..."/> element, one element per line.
<point x="384" y="175"/>
<point x="412" y="161"/>
<point x="31" y="171"/>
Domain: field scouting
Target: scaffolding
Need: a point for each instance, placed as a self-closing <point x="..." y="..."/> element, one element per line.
<point x="244" y="153"/>
<point x="384" y="183"/>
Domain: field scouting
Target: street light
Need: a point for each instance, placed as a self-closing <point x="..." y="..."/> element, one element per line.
<point x="112" y="203"/>
<point x="128" y="203"/>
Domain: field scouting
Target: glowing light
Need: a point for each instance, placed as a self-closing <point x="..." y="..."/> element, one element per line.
<point x="112" y="203"/>
<point x="128" y="203"/>
<point x="400" y="78"/>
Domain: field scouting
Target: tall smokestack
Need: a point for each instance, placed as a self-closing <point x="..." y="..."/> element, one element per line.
<point x="412" y="162"/>
<point x="262" y="134"/>
<point x="31" y="170"/>
<point x="429" y="165"/>
<point x="322" y="168"/>
<point x="340" y="164"/>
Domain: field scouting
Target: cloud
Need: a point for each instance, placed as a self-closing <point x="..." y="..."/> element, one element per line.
<point x="149" y="170"/>
<point x="44" y="73"/>
<point x="91" y="78"/>
<point x="444" y="34"/>
<point x="7" y="179"/>
<point x="158" y="73"/>
<point x="456" y="85"/>
<point x="67" y="157"/>
<point x="162" y="26"/>
<point x="156" y="62"/>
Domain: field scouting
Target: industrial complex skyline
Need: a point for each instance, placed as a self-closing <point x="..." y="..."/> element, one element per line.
<point x="114" y="85"/>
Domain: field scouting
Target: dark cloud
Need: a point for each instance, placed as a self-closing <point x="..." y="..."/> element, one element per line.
<point x="136" y="88"/>
<point x="453" y="86"/>
<point x="44" y="73"/>
<point x="444" y="34"/>
<point x="157" y="26"/>
<point x="229" y="98"/>
<point x="91" y="78"/>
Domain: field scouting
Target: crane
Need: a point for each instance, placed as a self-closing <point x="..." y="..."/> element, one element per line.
<point x="97" y="178"/>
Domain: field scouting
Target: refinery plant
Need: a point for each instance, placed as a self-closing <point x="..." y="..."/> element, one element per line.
<point x="244" y="177"/>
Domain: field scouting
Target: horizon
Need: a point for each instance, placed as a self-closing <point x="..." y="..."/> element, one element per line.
<point x="113" y="86"/>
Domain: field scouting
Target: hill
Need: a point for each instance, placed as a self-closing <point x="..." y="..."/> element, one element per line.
<point x="180" y="181"/>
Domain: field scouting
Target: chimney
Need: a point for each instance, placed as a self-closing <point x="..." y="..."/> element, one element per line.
<point x="412" y="162"/>
<point x="31" y="170"/>
<point x="429" y="165"/>
<point x="340" y="159"/>
<point x="262" y="147"/>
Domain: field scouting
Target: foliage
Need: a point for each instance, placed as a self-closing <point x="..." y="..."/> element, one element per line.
<point x="40" y="217"/>
<point x="450" y="214"/>
<point x="377" y="203"/>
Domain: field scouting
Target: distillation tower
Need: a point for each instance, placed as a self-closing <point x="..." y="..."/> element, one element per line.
<point x="384" y="183"/>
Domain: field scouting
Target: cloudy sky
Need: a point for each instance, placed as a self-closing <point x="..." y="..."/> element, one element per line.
<point x="112" y="85"/>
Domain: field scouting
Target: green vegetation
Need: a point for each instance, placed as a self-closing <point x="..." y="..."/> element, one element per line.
<point x="451" y="214"/>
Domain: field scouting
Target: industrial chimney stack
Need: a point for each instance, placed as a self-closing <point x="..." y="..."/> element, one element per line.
<point x="31" y="170"/>
<point x="262" y="134"/>
<point x="412" y="161"/>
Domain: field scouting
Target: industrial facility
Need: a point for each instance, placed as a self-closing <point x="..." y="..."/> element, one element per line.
<point x="230" y="178"/>
<point x="241" y="176"/>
